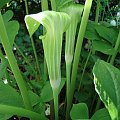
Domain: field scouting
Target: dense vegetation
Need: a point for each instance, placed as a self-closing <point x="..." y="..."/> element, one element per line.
<point x="59" y="59"/>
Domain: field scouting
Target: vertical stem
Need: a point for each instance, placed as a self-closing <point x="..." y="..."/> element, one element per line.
<point x="36" y="58"/>
<point x="26" y="60"/>
<point x="33" y="45"/>
<point x="68" y="69"/>
<point x="55" y="96"/>
<point x="53" y="4"/>
<point x="44" y="4"/>
<point x="115" y="49"/>
<point x="97" y="11"/>
<point x="81" y="33"/>
<point x="13" y="64"/>
<point x="26" y="7"/>
<point x="84" y="70"/>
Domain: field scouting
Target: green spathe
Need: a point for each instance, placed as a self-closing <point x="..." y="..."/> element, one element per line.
<point x="55" y="23"/>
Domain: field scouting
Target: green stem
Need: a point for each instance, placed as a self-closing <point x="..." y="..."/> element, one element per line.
<point x="13" y="64"/>
<point x="26" y="7"/>
<point x="97" y="11"/>
<point x="115" y="49"/>
<point x="98" y="104"/>
<point x="36" y="58"/>
<point x="26" y="60"/>
<point x="33" y="45"/>
<point x="84" y="70"/>
<point x="5" y="109"/>
<point x="68" y="69"/>
<point x="81" y="33"/>
<point x="53" y="4"/>
<point x="44" y="5"/>
<point x="55" y="96"/>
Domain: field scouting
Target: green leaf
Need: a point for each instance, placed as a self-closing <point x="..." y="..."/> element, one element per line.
<point x="35" y="99"/>
<point x="3" y="2"/>
<point x="47" y="93"/>
<point x="5" y="117"/>
<point x="55" y="23"/>
<point x="101" y="114"/>
<point x="103" y="46"/>
<point x="9" y="96"/>
<point x="110" y="34"/>
<point x="12" y="27"/>
<point x="79" y="112"/>
<point x="107" y="82"/>
<point x="91" y="33"/>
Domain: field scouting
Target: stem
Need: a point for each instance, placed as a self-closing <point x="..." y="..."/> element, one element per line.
<point x="44" y="4"/>
<point x="84" y="70"/>
<point x="98" y="104"/>
<point x="55" y="96"/>
<point x="33" y="45"/>
<point x="115" y="49"/>
<point x="26" y="7"/>
<point x="53" y="4"/>
<point x="13" y="64"/>
<point x="97" y="11"/>
<point x="5" y="109"/>
<point x="27" y="61"/>
<point x="36" y="58"/>
<point x="81" y="33"/>
<point x="68" y="69"/>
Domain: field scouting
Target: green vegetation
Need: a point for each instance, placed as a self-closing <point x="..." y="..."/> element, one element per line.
<point x="59" y="60"/>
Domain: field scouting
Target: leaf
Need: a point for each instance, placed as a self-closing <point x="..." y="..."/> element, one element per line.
<point x="55" y="23"/>
<point x="79" y="112"/>
<point x="5" y="117"/>
<point x="35" y="99"/>
<point x="91" y="33"/>
<point x="101" y="114"/>
<point x="3" y="2"/>
<point x="107" y="85"/>
<point x="110" y="34"/>
<point x="9" y="96"/>
<point x="47" y="93"/>
<point x="12" y="27"/>
<point x="103" y="46"/>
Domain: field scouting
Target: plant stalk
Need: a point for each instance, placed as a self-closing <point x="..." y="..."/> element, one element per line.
<point x="53" y="4"/>
<point x="97" y="11"/>
<point x="13" y="64"/>
<point x="81" y="33"/>
<point x="55" y="96"/>
<point x="44" y="5"/>
<point x="115" y="49"/>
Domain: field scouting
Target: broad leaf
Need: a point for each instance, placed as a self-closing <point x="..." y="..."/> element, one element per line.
<point x="9" y="96"/>
<point x="91" y="32"/>
<point x="47" y="93"/>
<point x="79" y="112"/>
<point x="107" y="85"/>
<point x="103" y="46"/>
<point x="55" y="23"/>
<point x="12" y="27"/>
<point x="101" y="114"/>
<point x="110" y="34"/>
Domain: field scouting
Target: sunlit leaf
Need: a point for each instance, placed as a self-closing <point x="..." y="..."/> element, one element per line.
<point x="107" y="85"/>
